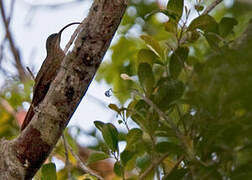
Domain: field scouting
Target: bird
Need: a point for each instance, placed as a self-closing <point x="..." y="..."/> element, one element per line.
<point x="47" y="72"/>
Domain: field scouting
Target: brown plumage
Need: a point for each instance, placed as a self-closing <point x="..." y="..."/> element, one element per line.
<point x="47" y="72"/>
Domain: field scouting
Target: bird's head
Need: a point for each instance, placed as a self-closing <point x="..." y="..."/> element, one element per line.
<point x="53" y="41"/>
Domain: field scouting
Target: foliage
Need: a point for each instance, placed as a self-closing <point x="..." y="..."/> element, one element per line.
<point x="184" y="86"/>
<point x="192" y="108"/>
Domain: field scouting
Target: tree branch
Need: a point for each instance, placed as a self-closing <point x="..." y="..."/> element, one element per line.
<point x="36" y="141"/>
<point x="212" y="6"/>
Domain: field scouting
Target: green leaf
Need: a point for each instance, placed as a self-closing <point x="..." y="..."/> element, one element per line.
<point x="130" y="108"/>
<point x="97" y="156"/>
<point x="176" y="174"/>
<point x="165" y="131"/>
<point x="213" y="40"/>
<point x="118" y="169"/>
<point x="153" y="44"/>
<point x="164" y="147"/>
<point x="114" y="107"/>
<point x="143" y="162"/>
<point x="147" y="56"/>
<point x="170" y="26"/>
<point x="177" y="61"/>
<point x="146" y="77"/>
<point x="226" y="26"/>
<point x="131" y="164"/>
<point x="84" y="177"/>
<point x="168" y="91"/>
<point x="243" y="172"/>
<point x="192" y="60"/>
<point x="110" y="135"/>
<point x="205" y="23"/>
<point x="125" y="156"/>
<point x="133" y="136"/>
<point x="71" y="141"/>
<point x="176" y="6"/>
<point x="199" y="8"/>
<point x="48" y="172"/>
<point x="99" y="125"/>
<point x="193" y="36"/>
<point x="140" y="111"/>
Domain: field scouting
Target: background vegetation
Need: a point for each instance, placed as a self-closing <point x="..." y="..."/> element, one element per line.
<point x="184" y="77"/>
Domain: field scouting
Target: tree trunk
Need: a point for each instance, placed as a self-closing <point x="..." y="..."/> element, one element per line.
<point x="23" y="156"/>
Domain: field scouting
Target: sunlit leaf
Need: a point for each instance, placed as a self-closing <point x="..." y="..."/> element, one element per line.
<point x="153" y="45"/>
<point x="148" y="56"/>
<point x="99" y="125"/>
<point x="114" y="107"/>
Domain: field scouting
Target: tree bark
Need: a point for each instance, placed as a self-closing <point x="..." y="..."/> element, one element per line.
<point x="22" y="157"/>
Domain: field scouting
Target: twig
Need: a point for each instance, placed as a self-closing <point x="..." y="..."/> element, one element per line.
<point x="152" y="166"/>
<point x="207" y="10"/>
<point x="66" y="156"/>
<point x="82" y="165"/>
<point x="1" y="52"/>
<point x="5" y="104"/>
<point x="14" y="50"/>
<point x="211" y="6"/>
<point x="6" y="38"/>
<point x="30" y="72"/>
<point x="174" y="167"/>
<point x="11" y="11"/>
